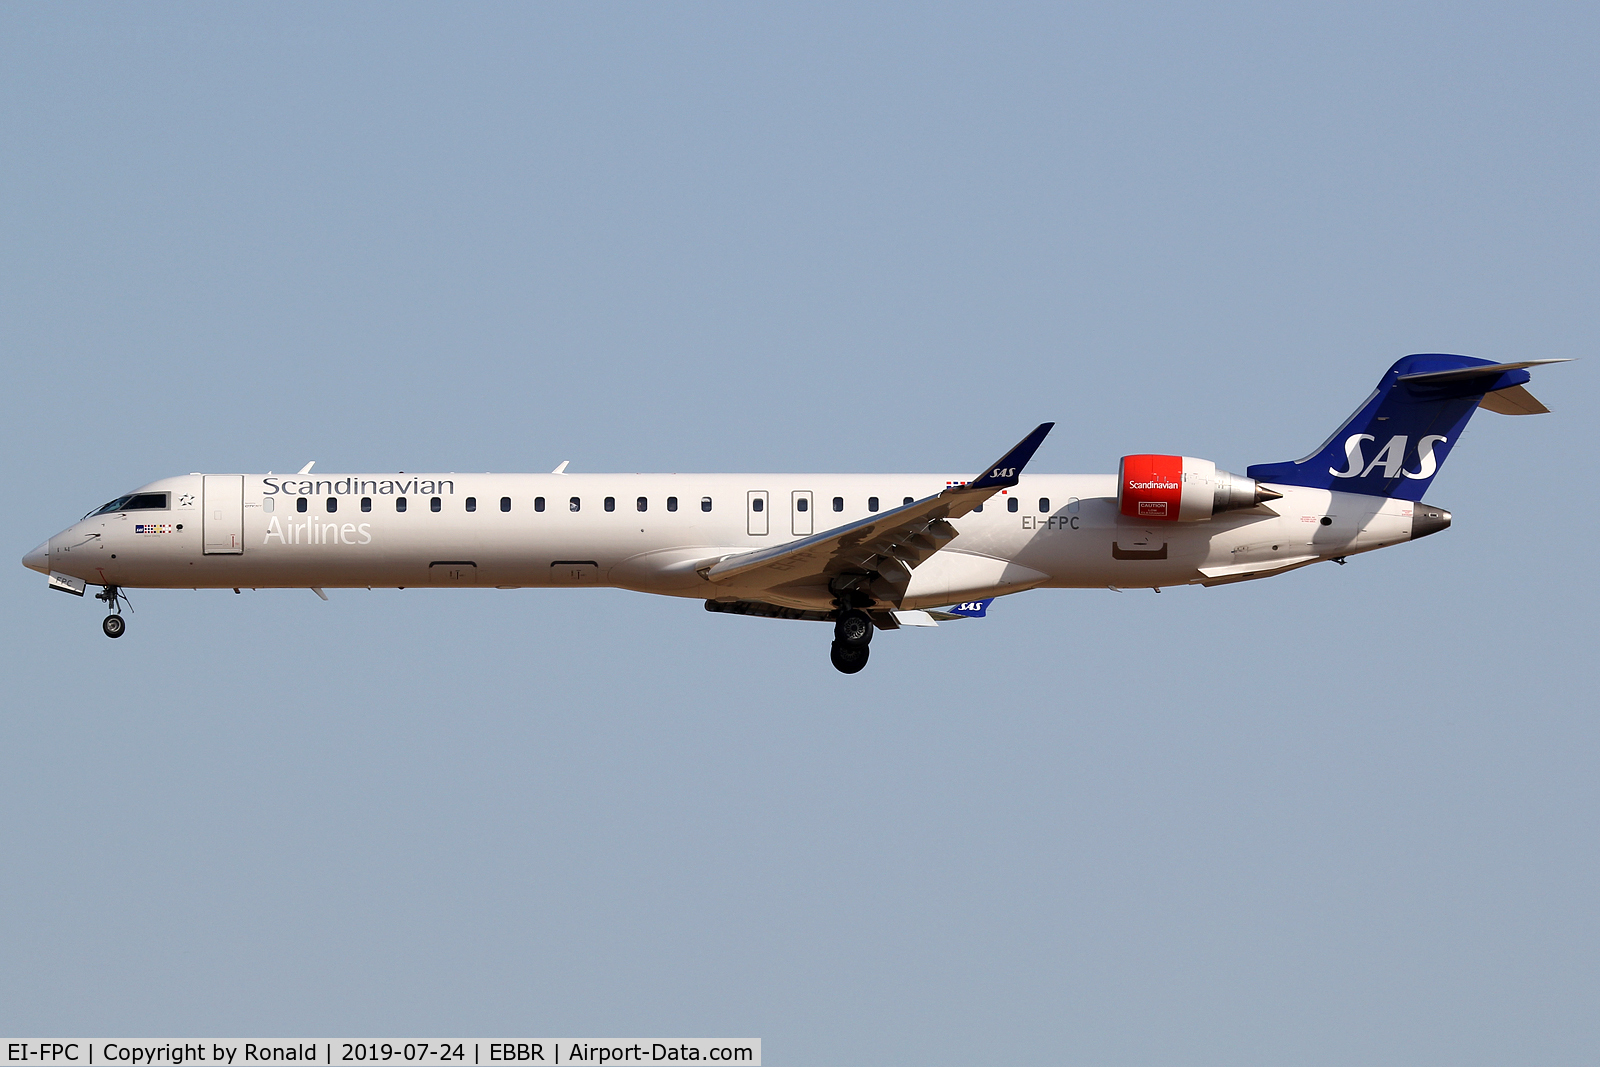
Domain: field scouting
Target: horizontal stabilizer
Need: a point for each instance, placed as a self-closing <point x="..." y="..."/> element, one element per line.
<point x="1513" y="401"/>
<point x="1480" y="370"/>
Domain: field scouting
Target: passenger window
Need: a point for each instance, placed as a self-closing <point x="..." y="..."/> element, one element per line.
<point x="611" y="503"/>
<point x="872" y="503"/>
<point x="300" y="503"/>
<point x="907" y="500"/>
<point x="1011" y="503"/>
<point x="433" y="504"/>
<point x="672" y="503"/>
<point x="642" y="504"/>
<point x="268" y="504"/>
<point x="333" y="504"/>
<point x="505" y="503"/>
<point x="472" y="503"/>
<point x="978" y="508"/>
<point x="366" y="503"/>
<point x="1072" y="504"/>
<point x="757" y="504"/>
<point x="399" y="503"/>
<point x="538" y="503"/>
<point x="802" y="504"/>
<point x="574" y="504"/>
<point x="705" y="503"/>
<point x="838" y="503"/>
<point x="1044" y="505"/>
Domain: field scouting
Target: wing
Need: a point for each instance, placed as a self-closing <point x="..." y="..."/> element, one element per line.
<point x="888" y="546"/>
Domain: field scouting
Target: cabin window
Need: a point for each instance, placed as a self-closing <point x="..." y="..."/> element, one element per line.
<point x="366" y="503"/>
<point x="705" y="503"/>
<point x="672" y="503"/>
<point x="300" y="503"/>
<point x="538" y="503"/>
<point x="907" y="500"/>
<point x="838" y="503"/>
<point x="267" y="503"/>
<point x="872" y="503"/>
<point x="978" y="508"/>
<point x="433" y="504"/>
<point x="574" y="504"/>
<point x="611" y="503"/>
<point x="333" y="504"/>
<point x="802" y="504"/>
<point x="1072" y="504"/>
<point x="399" y="503"/>
<point x="642" y="504"/>
<point x="505" y="503"/>
<point x="472" y="503"/>
<point x="1044" y="505"/>
<point x="757" y="504"/>
<point x="1011" y="503"/>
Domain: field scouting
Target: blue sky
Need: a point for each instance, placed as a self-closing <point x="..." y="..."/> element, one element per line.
<point x="1346" y="814"/>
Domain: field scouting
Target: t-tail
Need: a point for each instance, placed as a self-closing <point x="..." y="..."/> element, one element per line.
<point x="1396" y="442"/>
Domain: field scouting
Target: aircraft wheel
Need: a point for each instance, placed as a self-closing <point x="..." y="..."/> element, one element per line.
<point x="854" y="629"/>
<point x="114" y="626"/>
<point x="849" y="659"/>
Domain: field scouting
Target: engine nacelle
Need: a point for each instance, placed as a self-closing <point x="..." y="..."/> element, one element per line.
<point x="1183" y="489"/>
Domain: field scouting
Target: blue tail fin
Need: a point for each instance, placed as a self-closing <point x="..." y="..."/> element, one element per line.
<point x="1397" y="441"/>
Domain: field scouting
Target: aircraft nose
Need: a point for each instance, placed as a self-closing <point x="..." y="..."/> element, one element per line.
<point x="38" y="559"/>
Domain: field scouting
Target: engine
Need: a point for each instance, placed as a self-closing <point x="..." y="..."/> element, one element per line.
<point x="1183" y="489"/>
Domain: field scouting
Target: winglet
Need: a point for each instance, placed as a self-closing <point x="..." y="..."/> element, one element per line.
<point x="1005" y="471"/>
<point x="563" y="468"/>
<point x="307" y="468"/>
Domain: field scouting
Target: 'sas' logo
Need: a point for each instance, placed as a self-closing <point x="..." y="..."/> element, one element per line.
<point x="1391" y="457"/>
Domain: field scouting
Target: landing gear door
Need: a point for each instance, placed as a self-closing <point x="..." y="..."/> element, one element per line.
<point x="756" y="509"/>
<point x="223" y="517"/>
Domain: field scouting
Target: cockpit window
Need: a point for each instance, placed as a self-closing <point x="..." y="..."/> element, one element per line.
<point x="135" y="502"/>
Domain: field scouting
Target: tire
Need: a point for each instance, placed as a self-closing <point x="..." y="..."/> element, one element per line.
<point x="854" y="628"/>
<point x="114" y="626"/>
<point x="848" y="659"/>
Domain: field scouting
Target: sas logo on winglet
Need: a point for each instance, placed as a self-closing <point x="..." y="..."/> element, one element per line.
<point x="1391" y="457"/>
<point x="972" y="609"/>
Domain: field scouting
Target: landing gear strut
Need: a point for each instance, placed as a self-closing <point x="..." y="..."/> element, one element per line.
<point x="852" y="634"/>
<point x="113" y="624"/>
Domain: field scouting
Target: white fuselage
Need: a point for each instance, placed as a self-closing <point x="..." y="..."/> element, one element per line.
<point x="303" y="530"/>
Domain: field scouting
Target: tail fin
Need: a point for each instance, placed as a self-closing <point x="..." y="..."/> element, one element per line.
<point x="1396" y="442"/>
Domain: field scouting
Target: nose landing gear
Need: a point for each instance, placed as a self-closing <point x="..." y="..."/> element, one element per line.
<point x="113" y="624"/>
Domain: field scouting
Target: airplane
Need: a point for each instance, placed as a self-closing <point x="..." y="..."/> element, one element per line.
<point x="866" y="552"/>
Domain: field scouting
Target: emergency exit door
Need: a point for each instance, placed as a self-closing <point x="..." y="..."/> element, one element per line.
<point x="222" y="518"/>
<point x="800" y="512"/>
<point x="756" y="511"/>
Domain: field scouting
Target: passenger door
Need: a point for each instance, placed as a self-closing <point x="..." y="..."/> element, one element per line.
<point x="222" y="518"/>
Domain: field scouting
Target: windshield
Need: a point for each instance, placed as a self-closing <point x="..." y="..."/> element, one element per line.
<point x="134" y="502"/>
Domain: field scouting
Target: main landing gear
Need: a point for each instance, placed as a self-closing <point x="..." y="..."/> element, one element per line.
<point x="852" y="636"/>
<point x="113" y="624"/>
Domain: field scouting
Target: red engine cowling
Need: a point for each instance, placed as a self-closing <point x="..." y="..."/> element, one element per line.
<point x="1182" y="489"/>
